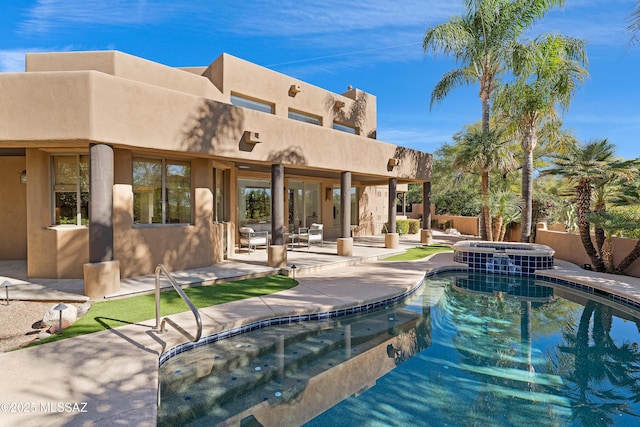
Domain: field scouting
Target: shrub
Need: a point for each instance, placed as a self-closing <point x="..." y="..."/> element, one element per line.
<point x="402" y="226"/>
<point x="414" y="226"/>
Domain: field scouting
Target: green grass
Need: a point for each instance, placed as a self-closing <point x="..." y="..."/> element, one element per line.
<point x="419" y="252"/>
<point x="112" y="314"/>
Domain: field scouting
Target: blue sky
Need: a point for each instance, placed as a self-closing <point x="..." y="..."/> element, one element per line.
<point x="374" y="45"/>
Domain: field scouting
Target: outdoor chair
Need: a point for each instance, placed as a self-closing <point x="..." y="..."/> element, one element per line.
<point x="252" y="239"/>
<point x="311" y="235"/>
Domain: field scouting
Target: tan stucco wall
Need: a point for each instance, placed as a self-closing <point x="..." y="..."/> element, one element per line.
<point x="181" y="246"/>
<point x="233" y="75"/>
<point x="78" y="106"/>
<point x="54" y="252"/>
<point x="568" y="247"/>
<point x="126" y="66"/>
<point x="13" y="215"/>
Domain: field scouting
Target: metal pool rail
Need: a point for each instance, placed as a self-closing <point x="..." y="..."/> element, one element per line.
<point x="160" y="325"/>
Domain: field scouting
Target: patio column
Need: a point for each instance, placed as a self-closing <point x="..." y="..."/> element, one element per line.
<point x="392" y="239"/>
<point x="102" y="273"/>
<point x="345" y="241"/>
<point x="426" y="205"/>
<point x="278" y="249"/>
<point x="426" y="235"/>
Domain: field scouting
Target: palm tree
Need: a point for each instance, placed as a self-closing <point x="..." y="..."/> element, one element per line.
<point x="483" y="152"/>
<point x="480" y="41"/>
<point x="590" y="167"/>
<point x="548" y="71"/>
<point x="634" y="24"/>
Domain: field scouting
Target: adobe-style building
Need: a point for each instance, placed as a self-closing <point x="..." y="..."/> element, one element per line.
<point x="111" y="164"/>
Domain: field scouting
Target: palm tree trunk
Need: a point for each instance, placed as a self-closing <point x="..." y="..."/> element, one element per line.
<point x="606" y="252"/>
<point x="527" y="187"/>
<point x="485" y="230"/>
<point x="600" y="209"/>
<point x="497" y="227"/>
<point x="486" y="214"/>
<point x="583" y="202"/>
<point x="629" y="259"/>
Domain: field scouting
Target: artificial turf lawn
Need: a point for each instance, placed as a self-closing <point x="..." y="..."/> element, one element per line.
<point x="419" y="252"/>
<point x="111" y="314"/>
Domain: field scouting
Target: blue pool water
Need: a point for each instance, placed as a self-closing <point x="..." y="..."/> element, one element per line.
<point x="469" y="349"/>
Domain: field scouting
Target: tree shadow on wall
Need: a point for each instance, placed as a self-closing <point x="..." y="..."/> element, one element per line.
<point x="355" y="115"/>
<point x="214" y="128"/>
<point x="292" y="155"/>
<point x="414" y="163"/>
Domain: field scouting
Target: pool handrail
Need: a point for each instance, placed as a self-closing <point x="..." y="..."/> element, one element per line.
<point x="160" y="325"/>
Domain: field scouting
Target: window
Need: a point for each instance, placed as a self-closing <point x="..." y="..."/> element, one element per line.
<point x="161" y="191"/>
<point x="252" y="104"/>
<point x="345" y="128"/>
<point x="304" y="204"/>
<point x="336" y="206"/>
<point x="71" y="189"/>
<point x="254" y="201"/>
<point x="304" y="117"/>
<point x="220" y="195"/>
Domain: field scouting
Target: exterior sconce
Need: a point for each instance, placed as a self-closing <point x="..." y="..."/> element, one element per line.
<point x="251" y="137"/>
<point x="328" y="192"/>
<point x="294" y="90"/>
<point x="23" y="177"/>
<point x="393" y="162"/>
<point x="339" y="104"/>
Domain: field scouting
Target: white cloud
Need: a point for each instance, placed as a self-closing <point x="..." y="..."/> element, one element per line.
<point x="290" y="18"/>
<point x="48" y="15"/>
<point x="417" y="138"/>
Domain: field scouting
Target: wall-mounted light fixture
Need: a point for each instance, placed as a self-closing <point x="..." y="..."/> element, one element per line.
<point x="294" y="90"/>
<point x="328" y="192"/>
<point x="23" y="177"/>
<point x="339" y="104"/>
<point x="393" y="162"/>
<point x="251" y="137"/>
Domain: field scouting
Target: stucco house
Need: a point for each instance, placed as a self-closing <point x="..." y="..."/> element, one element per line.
<point x="111" y="164"/>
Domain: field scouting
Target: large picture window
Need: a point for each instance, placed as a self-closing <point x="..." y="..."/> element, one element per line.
<point x="254" y="201"/>
<point x="161" y="191"/>
<point x="71" y="189"/>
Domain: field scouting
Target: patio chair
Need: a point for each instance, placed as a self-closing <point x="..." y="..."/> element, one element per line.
<point x="311" y="235"/>
<point x="252" y="239"/>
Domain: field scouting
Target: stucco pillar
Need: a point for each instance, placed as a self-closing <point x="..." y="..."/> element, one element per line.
<point x="277" y="252"/>
<point x="345" y="241"/>
<point x="277" y="204"/>
<point x="100" y="203"/>
<point x="426" y="235"/>
<point x="391" y="239"/>
<point x="426" y="205"/>
<point x="102" y="273"/>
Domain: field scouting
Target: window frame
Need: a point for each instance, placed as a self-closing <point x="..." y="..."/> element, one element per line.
<point x="251" y="103"/>
<point x="165" y="191"/>
<point x="352" y="130"/>
<point x="303" y="117"/>
<point x="81" y="221"/>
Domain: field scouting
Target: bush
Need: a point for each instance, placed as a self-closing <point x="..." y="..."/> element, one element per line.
<point x="414" y="226"/>
<point x="402" y="226"/>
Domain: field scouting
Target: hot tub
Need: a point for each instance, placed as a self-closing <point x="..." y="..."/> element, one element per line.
<point x="513" y="258"/>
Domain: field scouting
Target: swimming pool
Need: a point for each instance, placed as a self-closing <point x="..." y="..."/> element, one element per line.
<point x="469" y="349"/>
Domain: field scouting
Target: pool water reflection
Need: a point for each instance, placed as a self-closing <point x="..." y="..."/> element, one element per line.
<point x="470" y="349"/>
